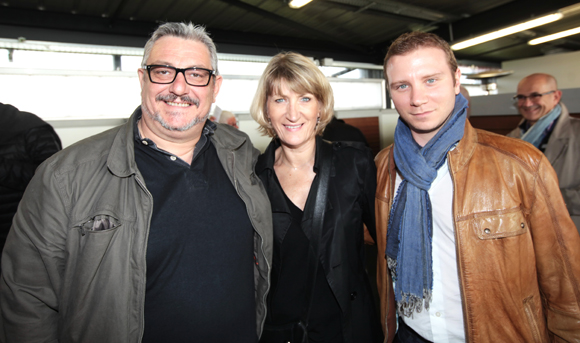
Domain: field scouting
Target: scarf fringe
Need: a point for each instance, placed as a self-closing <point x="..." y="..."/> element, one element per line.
<point x="410" y="303"/>
<point x="392" y="265"/>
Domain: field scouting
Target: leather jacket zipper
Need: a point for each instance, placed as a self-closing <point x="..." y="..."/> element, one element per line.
<point x="458" y="250"/>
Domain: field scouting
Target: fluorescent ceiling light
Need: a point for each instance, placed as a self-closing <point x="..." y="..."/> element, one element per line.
<point x="507" y="31"/>
<point x="554" y="36"/>
<point x="298" y="3"/>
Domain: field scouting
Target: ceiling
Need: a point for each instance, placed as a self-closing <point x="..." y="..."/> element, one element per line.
<point x="345" y="30"/>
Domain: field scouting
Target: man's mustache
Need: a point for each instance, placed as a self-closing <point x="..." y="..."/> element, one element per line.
<point x="173" y="97"/>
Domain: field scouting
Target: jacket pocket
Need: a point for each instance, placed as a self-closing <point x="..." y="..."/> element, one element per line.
<point x="500" y="224"/>
<point x="531" y="314"/>
<point x="98" y="223"/>
<point x="99" y="243"/>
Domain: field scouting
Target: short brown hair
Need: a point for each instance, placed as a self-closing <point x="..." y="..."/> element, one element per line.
<point x="301" y="75"/>
<point x="411" y="41"/>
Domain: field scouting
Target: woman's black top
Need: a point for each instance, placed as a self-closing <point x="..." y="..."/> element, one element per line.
<point x="290" y="285"/>
<point x="343" y="295"/>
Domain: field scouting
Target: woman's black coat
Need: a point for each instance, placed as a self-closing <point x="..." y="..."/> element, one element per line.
<point x="351" y="195"/>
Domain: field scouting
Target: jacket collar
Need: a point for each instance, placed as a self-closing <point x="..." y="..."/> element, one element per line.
<point x="464" y="149"/>
<point x="121" y="158"/>
<point x="461" y="155"/>
<point x="227" y="137"/>
<point x="563" y="129"/>
<point x="560" y="137"/>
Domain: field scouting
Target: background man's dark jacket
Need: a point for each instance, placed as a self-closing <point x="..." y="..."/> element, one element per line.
<point x="25" y="142"/>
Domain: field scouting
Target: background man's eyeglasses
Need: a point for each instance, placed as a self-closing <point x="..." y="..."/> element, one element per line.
<point x="534" y="96"/>
<point x="197" y="77"/>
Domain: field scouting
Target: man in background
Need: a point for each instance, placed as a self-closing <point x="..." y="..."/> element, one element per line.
<point x="224" y="117"/>
<point x="549" y="127"/>
<point x="338" y="130"/>
<point x="25" y="142"/>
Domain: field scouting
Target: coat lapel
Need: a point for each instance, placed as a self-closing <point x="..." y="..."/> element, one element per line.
<point x="560" y="137"/>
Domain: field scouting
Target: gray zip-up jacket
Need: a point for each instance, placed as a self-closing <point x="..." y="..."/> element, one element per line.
<point x="63" y="282"/>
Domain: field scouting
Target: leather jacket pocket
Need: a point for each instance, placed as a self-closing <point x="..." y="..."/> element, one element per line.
<point x="500" y="224"/>
<point x="531" y="315"/>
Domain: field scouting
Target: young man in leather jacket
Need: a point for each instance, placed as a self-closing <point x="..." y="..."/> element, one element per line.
<point x="478" y="244"/>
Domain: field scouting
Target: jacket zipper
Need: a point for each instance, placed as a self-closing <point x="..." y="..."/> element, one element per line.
<point x="144" y="282"/>
<point x="236" y="186"/>
<point x="457" y="250"/>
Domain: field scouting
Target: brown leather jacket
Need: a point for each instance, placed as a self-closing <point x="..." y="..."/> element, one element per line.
<point x="518" y="251"/>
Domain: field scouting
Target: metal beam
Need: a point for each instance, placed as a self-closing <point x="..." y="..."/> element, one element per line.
<point x="294" y="25"/>
<point x="370" y="10"/>
<point x="401" y="9"/>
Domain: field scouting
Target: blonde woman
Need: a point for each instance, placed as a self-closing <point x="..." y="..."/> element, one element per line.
<point x="321" y="194"/>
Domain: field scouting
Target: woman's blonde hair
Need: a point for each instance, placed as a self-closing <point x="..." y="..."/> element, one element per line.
<point x="300" y="75"/>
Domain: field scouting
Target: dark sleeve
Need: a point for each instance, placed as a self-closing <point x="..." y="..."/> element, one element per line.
<point x="42" y="142"/>
<point x="17" y="170"/>
<point x="368" y="189"/>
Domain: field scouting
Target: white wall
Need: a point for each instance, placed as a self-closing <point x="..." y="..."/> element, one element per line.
<point x="71" y="131"/>
<point x="565" y="67"/>
<point x="79" y="104"/>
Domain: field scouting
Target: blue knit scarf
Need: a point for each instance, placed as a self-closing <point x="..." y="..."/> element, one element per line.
<point x="410" y="230"/>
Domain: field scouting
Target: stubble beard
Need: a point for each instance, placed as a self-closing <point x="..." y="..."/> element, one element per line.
<point x="156" y="116"/>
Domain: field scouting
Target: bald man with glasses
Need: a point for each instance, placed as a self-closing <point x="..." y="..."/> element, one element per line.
<point x="549" y="127"/>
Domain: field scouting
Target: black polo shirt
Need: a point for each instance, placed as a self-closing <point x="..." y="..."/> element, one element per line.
<point x="200" y="283"/>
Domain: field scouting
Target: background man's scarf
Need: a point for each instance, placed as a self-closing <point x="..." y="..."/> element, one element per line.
<point x="535" y="134"/>
<point x="410" y="230"/>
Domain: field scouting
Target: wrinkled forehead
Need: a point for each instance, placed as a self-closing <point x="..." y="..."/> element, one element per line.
<point x="172" y="47"/>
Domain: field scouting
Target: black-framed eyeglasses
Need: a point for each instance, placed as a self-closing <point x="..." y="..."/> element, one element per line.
<point x="534" y="96"/>
<point x="197" y="77"/>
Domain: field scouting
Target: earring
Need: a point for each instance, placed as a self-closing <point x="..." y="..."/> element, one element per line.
<point x="317" y="121"/>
